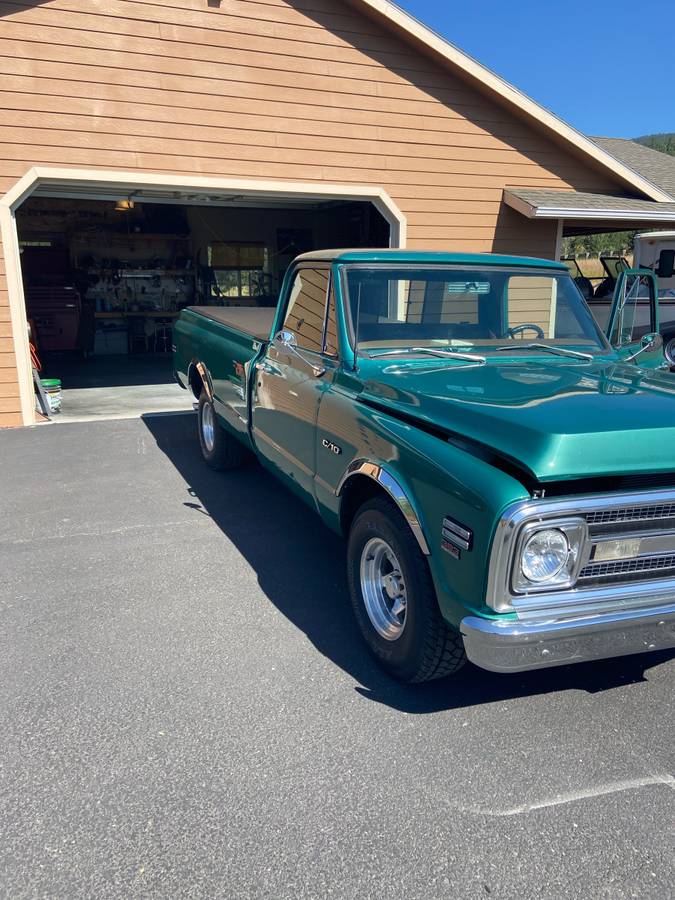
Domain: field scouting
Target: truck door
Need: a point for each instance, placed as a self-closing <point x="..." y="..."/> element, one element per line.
<point x="634" y="318"/>
<point x="298" y="366"/>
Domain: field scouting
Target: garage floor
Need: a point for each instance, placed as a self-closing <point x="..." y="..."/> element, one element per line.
<point x="187" y="710"/>
<point x="116" y="387"/>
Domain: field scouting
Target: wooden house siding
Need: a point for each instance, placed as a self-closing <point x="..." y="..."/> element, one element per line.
<point x="302" y="90"/>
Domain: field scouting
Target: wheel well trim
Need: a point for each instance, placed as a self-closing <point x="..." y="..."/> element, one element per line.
<point x="393" y="487"/>
<point x="198" y="366"/>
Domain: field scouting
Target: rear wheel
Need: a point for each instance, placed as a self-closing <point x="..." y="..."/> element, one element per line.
<point x="394" y="600"/>
<point x="219" y="449"/>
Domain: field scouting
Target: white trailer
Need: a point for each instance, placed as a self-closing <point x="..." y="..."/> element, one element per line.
<point x="656" y="250"/>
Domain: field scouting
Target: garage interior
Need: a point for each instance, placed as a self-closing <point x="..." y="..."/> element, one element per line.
<point x="105" y="279"/>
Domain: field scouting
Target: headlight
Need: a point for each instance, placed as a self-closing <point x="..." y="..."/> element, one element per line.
<point x="544" y="555"/>
<point x="548" y="555"/>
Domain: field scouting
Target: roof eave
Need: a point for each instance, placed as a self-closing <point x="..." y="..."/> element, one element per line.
<point x="456" y="57"/>
<point x="532" y="211"/>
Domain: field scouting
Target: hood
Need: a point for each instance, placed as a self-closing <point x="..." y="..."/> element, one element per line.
<point x="558" y="419"/>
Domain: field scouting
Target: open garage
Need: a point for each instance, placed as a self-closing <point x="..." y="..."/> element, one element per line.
<point x="105" y="279"/>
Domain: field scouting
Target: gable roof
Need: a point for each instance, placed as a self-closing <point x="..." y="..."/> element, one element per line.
<point x="658" y="167"/>
<point x="440" y="47"/>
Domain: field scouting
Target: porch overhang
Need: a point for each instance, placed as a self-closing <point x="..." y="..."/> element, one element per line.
<point x="584" y="212"/>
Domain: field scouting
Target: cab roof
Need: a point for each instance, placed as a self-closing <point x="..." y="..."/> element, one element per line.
<point x="428" y="256"/>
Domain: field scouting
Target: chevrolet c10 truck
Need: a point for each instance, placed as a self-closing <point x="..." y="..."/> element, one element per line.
<point x="503" y="472"/>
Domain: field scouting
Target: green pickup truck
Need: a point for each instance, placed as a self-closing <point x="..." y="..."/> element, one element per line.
<point x="504" y="473"/>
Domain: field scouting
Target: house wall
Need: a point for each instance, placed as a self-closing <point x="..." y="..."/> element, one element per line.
<point x="308" y="90"/>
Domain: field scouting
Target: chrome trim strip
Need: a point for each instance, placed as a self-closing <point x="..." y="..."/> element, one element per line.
<point x="395" y="491"/>
<point x="457" y="529"/>
<point x="205" y="375"/>
<point x="650" y="544"/>
<point x="499" y="595"/>
<point x="515" y="646"/>
<point x="455" y="539"/>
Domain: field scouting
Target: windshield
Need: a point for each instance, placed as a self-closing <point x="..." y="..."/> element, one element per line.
<point x="485" y="309"/>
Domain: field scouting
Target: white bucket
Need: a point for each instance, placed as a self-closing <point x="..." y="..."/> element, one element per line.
<point x="52" y="388"/>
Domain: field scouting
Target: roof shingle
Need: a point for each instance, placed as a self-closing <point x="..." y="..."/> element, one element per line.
<point x="657" y="167"/>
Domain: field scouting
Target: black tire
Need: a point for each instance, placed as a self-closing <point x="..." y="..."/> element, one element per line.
<point x="221" y="450"/>
<point x="426" y="648"/>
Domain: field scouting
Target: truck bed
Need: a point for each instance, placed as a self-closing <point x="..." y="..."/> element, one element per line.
<point x="253" y="321"/>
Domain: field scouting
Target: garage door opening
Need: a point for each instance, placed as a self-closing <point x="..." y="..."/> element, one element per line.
<point x="105" y="279"/>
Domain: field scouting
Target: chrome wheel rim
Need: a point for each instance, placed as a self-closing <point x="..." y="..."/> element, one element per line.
<point x="208" y="427"/>
<point x="669" y="351"/>
<point x="383" y="589"/>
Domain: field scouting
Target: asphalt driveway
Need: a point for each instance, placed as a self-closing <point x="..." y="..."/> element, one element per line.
<point x="186" y="709"/>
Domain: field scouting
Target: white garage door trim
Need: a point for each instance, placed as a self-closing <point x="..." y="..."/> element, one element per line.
<point x="103" y="183"/>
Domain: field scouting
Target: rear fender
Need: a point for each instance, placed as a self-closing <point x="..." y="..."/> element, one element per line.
<point x="198" y="376"/>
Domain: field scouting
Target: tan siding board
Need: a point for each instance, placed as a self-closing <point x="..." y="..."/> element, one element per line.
<point x="243" y="18"/>
<point x="278" y="132"/>
<point x="277" y="164"/>
<point x="445" y="122"/>
<point x="77" y="113"/>
<point x="179" y="75"/>
<point x="10" y="420"/>
<point x="232" y="168"/>
<point x="275" y="148"/>
<point x="8" y="406"/>
<point x="9" y="391"/>
<point x="259" y="53"/>
<point x="322" y="45"/>
<point x="8" y="371"/>
<point x="210" y="88"/>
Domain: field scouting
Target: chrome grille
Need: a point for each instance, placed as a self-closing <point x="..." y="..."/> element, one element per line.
<point x="648" y="564"/>
<point x="632" y="514"/>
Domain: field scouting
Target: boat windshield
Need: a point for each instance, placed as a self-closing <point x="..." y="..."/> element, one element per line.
<point x="486" y="310"/>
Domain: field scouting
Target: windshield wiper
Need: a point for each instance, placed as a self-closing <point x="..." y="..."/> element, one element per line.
<point x="445" y="353"/>
<point x="558" y="351"/>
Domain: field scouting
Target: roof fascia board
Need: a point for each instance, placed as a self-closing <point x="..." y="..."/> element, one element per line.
<point x="568" y="212"/>
<point x="424" y="35"/>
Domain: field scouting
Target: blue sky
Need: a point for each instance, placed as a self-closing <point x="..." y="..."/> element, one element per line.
<point x="608" y="68"/>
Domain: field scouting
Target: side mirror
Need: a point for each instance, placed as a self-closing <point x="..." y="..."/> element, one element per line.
<point x="286" y="339"/>
<point x="665" y="267"/>
<point x="651" y="341"/>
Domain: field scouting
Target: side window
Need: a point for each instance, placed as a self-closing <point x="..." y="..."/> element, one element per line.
<point x="306" y="309"/>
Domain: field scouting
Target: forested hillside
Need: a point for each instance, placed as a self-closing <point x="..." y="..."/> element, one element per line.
<point x="664" y="142"/>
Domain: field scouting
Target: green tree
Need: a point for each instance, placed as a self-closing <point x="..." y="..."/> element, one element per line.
<point x="665" y="142"/>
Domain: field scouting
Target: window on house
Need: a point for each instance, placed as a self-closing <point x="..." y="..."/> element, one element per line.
<point x="238" y="270"/>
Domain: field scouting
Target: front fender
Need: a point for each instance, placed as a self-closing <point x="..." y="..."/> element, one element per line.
<point x="392" y="485"/>
<point x="437" y="479"/>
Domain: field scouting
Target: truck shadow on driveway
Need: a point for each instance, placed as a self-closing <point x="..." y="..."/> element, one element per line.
<point x="300" y="568"/>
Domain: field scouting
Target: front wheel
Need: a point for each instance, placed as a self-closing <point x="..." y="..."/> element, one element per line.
<point x="669" y="348"/>
<point x="394" y="600"/>
<point x="219" y="448"/>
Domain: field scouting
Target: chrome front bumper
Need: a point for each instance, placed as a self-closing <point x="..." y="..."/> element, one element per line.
<point x="516" y="645"/>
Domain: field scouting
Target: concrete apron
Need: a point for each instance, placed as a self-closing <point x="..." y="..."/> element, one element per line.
<point x="121" y="402"/>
